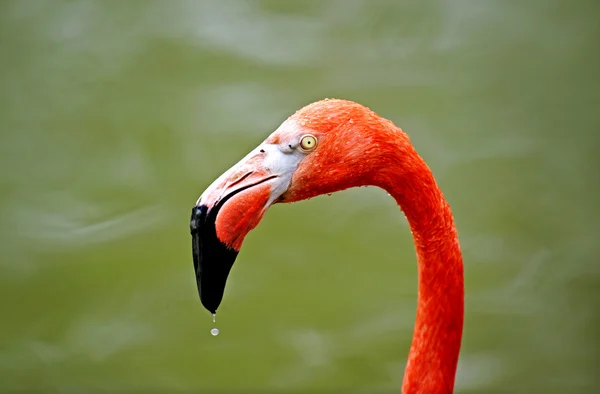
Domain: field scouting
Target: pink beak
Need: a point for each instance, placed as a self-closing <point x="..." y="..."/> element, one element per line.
<point x="228" y="209"/>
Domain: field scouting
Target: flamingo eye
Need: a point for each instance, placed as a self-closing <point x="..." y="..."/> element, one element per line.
<point x="308" y="142"/>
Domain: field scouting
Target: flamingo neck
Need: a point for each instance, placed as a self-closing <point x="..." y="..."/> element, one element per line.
<point x="433" y="356"/>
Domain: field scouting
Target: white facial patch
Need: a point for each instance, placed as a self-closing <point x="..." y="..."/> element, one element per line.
<point x="281" y="160"/>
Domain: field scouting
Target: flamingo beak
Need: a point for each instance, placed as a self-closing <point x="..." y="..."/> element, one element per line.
<point x="228" y="209"/>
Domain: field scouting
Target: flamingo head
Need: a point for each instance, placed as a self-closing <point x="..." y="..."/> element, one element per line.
<point x="322" y="148"/>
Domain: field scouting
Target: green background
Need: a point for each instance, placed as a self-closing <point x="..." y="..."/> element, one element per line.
<point x="115" y="115"/>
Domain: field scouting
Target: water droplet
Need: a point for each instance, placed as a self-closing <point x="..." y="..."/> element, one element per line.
<point x="214" y="317"/>
<point x="214" y="332"/>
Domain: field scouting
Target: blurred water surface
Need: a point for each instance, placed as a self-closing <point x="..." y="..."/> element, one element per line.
<point x="114" y="117"/>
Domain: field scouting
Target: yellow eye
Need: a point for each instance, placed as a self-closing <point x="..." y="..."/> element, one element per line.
<point x="308" y="142"/>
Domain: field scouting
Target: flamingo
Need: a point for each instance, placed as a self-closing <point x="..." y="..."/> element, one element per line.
<point x="328" y="146"/>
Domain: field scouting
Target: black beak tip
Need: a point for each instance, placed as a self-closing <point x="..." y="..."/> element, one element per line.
<point x="212" y="258"/>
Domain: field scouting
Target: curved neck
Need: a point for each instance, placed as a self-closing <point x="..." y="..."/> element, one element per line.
<point x="433" y="356"/>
